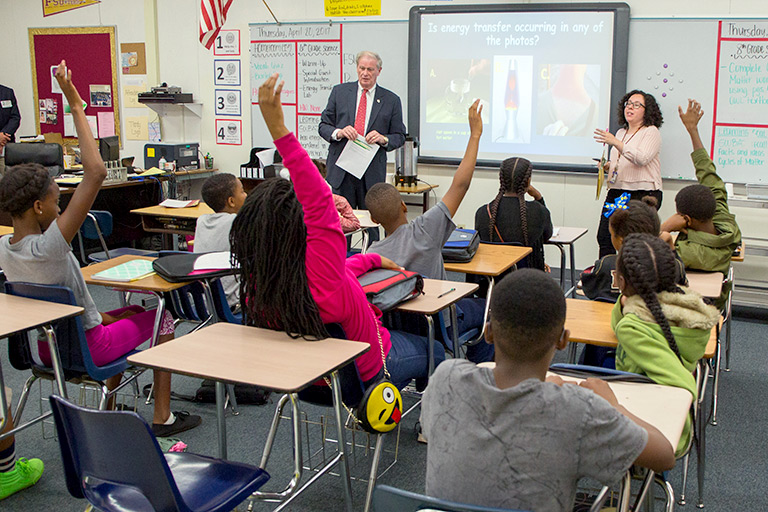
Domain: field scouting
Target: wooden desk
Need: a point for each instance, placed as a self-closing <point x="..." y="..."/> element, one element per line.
<point x="491" y="260"/>
<point x="176" y="221"/>
<point x="567" y="236"/>
<point x="18" y="315"/>
<point x="438" y="295"/>
<point x="590" y="322"/>
<point x="6" y="230"/>
<point x="708" y="284"/>
<point x="419" y="188"/>
<point x="270" y="359"/>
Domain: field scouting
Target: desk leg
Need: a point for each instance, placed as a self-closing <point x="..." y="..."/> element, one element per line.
<point x="344" y="467"/>
<point x="625" y="493"/>
<point x="53" y="349"/>
<point x="425" y="202"/>
<point x="220" y="421"/>
<point x="366" y="236"/>
<point x="562" y="266"/>
<point x="455" y="326"/>
<point x="3" y="403"/>
<point x="430" y="344"/>
<point x="573" y="270"/>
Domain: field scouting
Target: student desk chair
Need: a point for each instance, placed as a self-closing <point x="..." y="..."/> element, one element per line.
<point x="490" y="260"/>
<point x="438" y="295"/>
<point x="19" y="315"/>
<point x="232" y="353"/>
<point x="364" y="216"/>
<point x="567" y="236"/>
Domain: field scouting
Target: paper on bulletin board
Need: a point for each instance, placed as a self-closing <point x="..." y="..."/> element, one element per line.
<point x="133" y="59"/>
<point x="69" y="126"/>
<point x="106" y="124"/>
<point x="94" y="126"/>
<point x="136" y="128"/>
<point x="337" y="8"/>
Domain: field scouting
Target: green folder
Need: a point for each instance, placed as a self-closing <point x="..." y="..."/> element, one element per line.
<point x="128" y="271"/>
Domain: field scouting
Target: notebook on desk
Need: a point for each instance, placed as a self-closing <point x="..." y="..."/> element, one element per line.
<point x="126" y="272"/>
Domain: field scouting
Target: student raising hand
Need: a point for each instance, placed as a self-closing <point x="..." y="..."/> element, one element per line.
<point x="271" y="107"/>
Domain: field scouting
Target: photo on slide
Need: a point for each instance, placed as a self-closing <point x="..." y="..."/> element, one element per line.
<point x="452" y="85"/>
<point x="567" y="100"/>
<point x="511" y="98"/>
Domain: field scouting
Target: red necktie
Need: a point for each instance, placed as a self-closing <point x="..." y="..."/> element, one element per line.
<point x="360" y="117"/>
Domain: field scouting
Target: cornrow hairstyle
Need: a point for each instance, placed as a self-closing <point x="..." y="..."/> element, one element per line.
<point x="269" y="242"/>
<point x="513" y="177"/>
<point x="21" y="186"/>
<point x="696" y="201"/>
<point x="648" y="265"/>
<point x="217" y="189"/>
<point x="639" y="217"/>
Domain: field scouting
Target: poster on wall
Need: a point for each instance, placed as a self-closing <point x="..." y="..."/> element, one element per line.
<point x="229" y="132"/>
<point x="133" y="58"/>
<point x="51" y="7"/>
<point x="227" y="102"/>
<point x="227" y="43"/>
<point x="226" y="72"/>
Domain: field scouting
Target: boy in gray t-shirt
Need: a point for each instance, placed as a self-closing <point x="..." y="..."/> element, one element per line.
<point x="225" y="195"/>
<point x="528" y="439"/>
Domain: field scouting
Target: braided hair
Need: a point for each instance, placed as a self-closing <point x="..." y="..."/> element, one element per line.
<point x="21" y="186"/>
<point x="648" y="265"/>
<point x="514" y="175"/>
<point x="269" y="241"/>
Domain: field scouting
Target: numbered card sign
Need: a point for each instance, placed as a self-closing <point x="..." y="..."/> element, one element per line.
<point x="229" y="132"/>
<point x="227" y="102"/>
<point x="227" y="43"/>
<point x="226" y="72"/>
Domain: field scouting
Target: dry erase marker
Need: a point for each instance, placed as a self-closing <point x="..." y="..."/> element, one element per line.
<point x="446" y="293"/>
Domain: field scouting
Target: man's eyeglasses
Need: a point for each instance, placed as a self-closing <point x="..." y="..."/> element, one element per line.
<point x="633" y="105"/>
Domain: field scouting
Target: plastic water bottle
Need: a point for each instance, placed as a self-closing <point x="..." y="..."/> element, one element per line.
<point x="162" y="163"/>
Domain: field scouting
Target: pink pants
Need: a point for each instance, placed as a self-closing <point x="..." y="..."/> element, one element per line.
<point x="108" y="342"/>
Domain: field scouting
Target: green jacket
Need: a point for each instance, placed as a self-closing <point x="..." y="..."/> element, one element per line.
<point x="702" y="251"/>
<point x="643" y="348"/>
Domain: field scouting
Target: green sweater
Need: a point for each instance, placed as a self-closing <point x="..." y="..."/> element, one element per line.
<point x="643" y="348"/>
<point x="703" y="251"/>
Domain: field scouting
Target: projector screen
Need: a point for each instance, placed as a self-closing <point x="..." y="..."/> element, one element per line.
<point x="547" y="75"/>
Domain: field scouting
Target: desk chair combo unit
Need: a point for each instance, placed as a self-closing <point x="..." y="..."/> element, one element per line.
<point x="567" y="236"/>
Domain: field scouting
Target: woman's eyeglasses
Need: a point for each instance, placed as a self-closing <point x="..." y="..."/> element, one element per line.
<point x="633" y="105"/>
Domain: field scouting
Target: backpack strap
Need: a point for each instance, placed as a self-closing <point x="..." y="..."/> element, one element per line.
<point x="495" y="227"/>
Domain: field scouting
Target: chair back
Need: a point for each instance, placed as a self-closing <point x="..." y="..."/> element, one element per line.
<point x="351" y="384"/>
<point x="49" y="155"/>
<point x="390" y="499"/>
<point x="70" y="336"/>
<point x="107" y="454"/>
<point x="97" y="224"/>
<point x="223" y="311"/>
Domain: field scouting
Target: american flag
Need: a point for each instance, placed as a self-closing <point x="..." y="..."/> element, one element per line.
<point x="213" y="14"/>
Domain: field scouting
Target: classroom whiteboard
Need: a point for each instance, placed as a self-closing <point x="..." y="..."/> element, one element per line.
<point x="673" y="59"/>
<point x="312" y="58"/>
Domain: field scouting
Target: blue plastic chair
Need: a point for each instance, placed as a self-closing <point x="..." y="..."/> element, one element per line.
<point x="223" y="311"/>
<point x="70" y="336"/>
<point x="97" y="225"/>
<point x="112" y="460"/>
<point x="390" y="499"/>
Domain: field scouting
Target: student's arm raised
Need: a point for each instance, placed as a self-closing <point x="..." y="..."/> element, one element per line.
<point x="690" y="119"/>
<point x="658" y="454"/>
<point x="93" y="167"/>
<point x="463" y="176"/>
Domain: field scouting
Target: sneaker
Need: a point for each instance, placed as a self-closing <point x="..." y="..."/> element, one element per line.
<point x="184" y="421"/>
<point x="26" y="474"/>
<point x="419" y="435"/>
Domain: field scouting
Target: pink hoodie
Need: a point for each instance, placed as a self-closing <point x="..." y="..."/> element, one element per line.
<point x="332" y="277"/>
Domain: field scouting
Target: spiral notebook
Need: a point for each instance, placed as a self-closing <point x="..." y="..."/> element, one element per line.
<point x="126" y="272"/>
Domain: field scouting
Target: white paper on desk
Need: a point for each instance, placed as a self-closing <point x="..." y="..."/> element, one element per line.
<point x="266" y="157"/>
<point x="213" y="261"/>
<point x="176" y="203"/>
<point x="356" y="156"/>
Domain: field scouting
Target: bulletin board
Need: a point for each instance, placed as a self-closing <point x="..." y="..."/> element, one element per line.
<point x="91" y="55"/>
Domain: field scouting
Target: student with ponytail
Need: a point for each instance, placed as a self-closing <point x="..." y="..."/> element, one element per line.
<point x="510" y="218"/>
<point x="662" y="329"/>
<point x="294" y="274"/>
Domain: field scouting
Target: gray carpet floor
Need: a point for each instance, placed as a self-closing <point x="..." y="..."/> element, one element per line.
<point x="736" y="467"/>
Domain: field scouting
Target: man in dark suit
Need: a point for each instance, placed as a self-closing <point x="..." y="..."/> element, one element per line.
<point x="9" y="121"/>
<point x="377" y="116"/>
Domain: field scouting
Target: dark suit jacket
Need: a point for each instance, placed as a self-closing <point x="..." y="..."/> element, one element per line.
<point x="386" y="118"/>
<point x="10" y="118"/>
